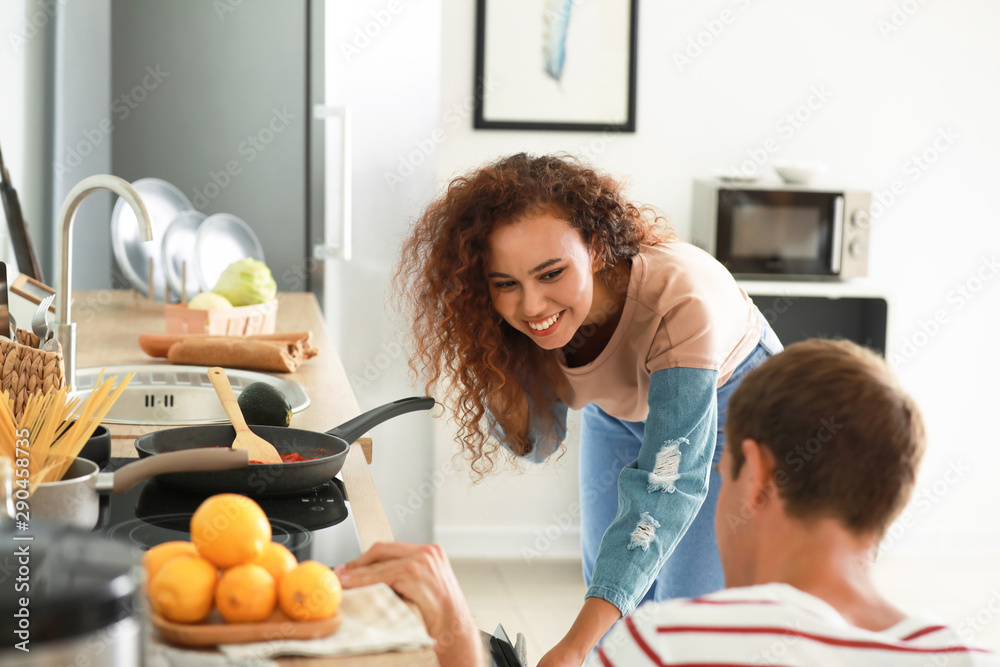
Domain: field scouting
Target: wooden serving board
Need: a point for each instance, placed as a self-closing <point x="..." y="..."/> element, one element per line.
<point x="215" y="631"/>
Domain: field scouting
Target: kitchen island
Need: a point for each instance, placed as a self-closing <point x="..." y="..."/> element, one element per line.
<point x="108" y="326"/>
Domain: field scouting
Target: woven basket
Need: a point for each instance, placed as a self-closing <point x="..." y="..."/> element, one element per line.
<point x="25" y="370"/>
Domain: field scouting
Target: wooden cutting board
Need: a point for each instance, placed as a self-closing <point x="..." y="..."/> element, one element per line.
<point x="215" y="631"/>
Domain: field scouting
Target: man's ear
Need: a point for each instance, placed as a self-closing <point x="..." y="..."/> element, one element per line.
<point x="759" y="467"/>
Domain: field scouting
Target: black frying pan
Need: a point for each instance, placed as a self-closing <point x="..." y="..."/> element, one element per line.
<point x="276" y="478"/>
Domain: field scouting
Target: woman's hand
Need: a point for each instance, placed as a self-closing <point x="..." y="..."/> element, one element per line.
<point x="563" y="655"/>
<point x="596" y="618"/>
<point x="422" y="574"/>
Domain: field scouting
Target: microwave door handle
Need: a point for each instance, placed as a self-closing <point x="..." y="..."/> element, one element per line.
<point x="838" y="235"/>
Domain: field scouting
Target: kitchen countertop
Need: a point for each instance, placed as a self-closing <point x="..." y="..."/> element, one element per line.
<point x="108" y="326"/>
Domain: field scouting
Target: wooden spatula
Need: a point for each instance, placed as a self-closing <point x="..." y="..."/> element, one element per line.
<point x="259" y="448"/>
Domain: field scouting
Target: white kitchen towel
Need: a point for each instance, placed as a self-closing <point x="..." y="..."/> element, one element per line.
<point x="160" y="655"/>
<point x="374" y="620"/>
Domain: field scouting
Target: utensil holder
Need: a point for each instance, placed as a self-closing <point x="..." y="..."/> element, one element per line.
<point x="25" y="370"/>
<point x="239" y="321"/>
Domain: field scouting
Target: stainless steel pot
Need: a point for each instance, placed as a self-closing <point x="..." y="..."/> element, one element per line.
<point x="75" y="500"/>
<point x="67" y="597"/>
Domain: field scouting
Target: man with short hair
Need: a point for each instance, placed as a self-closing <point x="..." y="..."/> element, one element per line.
<point x="822" y="451"/>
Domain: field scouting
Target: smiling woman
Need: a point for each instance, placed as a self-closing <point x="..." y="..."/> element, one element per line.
<point x="487" y="223"/>
<point x="551" y="299"/>
<point x="536" y="287"/>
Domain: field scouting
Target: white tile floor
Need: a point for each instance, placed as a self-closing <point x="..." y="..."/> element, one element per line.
<point x="542" y="598"/>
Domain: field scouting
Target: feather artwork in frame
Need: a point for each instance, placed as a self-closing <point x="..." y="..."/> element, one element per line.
<point x="556" y="21"/>
<point x="564" y="65"/>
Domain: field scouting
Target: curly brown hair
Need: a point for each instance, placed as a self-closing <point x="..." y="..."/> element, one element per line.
<point x="441" y="279"/>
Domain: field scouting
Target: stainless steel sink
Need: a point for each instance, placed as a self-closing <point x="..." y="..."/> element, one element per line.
<point x="176" y="395"/>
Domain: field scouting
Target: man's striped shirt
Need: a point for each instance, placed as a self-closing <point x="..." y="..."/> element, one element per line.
<point x="777" y="624"/>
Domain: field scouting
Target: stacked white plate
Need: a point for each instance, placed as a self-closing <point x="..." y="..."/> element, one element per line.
<point x="189" y="249"/>
<point x="221" y="240"/>
<point x="177" y="252"/>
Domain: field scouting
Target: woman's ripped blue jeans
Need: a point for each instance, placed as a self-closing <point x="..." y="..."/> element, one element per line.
<point x="608" y="444"/>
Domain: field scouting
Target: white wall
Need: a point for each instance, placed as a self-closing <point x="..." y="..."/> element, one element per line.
<point x="892" y="91"/>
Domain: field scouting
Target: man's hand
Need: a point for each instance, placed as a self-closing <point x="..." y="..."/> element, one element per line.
<point x="422" y="574"/>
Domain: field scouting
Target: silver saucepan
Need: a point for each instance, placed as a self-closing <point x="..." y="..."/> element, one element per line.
<point x="75" y="499"/>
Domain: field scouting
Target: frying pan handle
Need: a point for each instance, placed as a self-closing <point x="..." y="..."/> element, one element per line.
<point x="190" y="460"/>
<point x="353" y="429"/>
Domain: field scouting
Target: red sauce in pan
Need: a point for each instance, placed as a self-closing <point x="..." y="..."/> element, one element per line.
<point x="292" y="457"/>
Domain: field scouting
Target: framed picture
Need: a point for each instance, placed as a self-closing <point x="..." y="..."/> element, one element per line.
<point x="555" y="65"/>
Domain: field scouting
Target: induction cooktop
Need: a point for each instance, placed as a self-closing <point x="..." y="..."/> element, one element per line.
<point x="152" y="513"/>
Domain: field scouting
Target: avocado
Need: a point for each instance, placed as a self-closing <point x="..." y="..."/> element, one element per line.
<point x="263" y="405"/>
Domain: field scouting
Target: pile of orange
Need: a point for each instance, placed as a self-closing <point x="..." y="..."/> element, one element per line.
<point x="232" y="565"/>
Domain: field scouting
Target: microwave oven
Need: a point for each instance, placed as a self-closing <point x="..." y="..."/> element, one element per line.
<point x="792" y="231"/>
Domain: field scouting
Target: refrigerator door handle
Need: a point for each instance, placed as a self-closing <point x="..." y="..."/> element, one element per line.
<point x="342" y="248"/>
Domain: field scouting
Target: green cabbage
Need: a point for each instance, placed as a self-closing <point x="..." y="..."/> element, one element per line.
<point x="247" y="282"/>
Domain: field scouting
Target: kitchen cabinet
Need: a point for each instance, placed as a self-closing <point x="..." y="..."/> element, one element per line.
<point x="109" y="323"/>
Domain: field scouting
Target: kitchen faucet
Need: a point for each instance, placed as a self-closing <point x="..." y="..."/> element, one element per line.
<point x="65" y="325"/>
